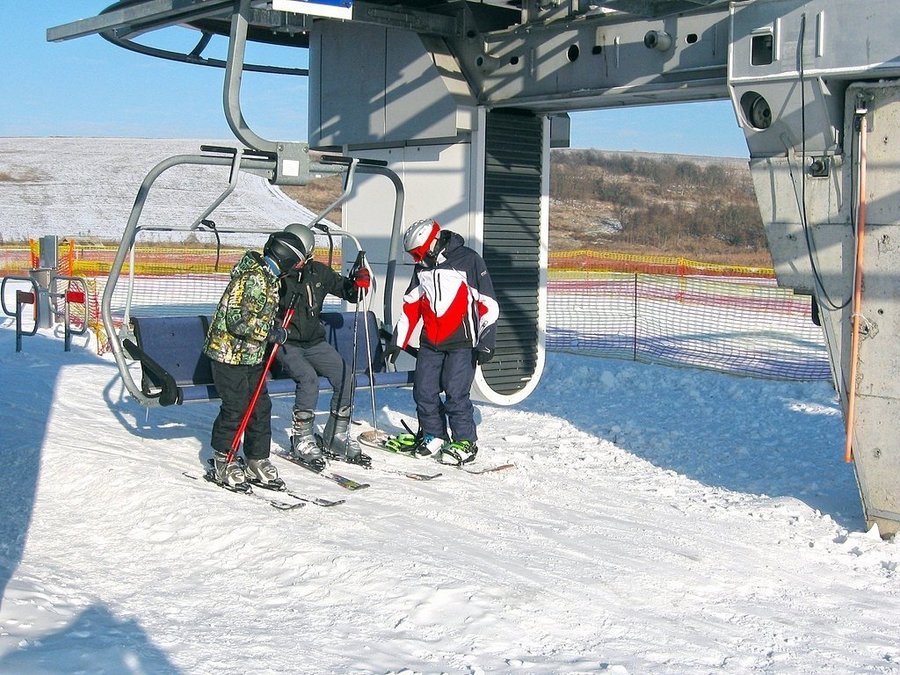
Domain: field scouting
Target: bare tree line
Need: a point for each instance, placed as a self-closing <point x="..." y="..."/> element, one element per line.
<point x="666" y="204"/>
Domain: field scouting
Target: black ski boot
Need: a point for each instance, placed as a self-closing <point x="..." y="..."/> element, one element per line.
<point x="304" y="447"/>
<point x="336" y="441"/>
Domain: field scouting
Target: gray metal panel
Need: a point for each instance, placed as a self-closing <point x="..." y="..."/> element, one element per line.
<point x="599" y="60"/>
<point x="376" y="87"/>
<point x="839" y="38"/>
<point x="339" y="114"/>
<point x="805" y="38"/>
<point x="511" y="242"/>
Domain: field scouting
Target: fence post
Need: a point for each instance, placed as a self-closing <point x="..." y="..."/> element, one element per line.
<point x="22" y="298"/>
<point x="43" y="279"/>
<point x="635" y="331"/>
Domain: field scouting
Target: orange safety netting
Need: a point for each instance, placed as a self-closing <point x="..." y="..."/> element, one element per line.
<point x="583" y="260"/>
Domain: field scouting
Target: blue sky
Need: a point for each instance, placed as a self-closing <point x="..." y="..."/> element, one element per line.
<point x="88" y="87"/>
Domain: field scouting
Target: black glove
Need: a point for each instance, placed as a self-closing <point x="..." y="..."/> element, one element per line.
<point x="391" y="351"/>
<point x="277" y="335"/>
<point x="483" y="357"/>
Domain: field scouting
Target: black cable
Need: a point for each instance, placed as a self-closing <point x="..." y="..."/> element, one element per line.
<point x="211" y="224"/>
<point x="804" y="219"/>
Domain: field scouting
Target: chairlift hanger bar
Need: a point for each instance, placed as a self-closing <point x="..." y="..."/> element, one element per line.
<point x="122" y="22"/>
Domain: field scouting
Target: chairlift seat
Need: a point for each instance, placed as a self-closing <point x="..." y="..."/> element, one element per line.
<point x="175" y="370"/>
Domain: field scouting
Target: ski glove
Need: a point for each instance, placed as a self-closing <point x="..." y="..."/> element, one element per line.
<point x="391" y="351"/>
<point x="483" y="357"/>
<point x="361" y="279"/>
<point x="277" y="335"/>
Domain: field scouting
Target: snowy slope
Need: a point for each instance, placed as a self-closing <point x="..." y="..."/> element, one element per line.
<point x="85" y="187"/>
<point x="657" y="520"/>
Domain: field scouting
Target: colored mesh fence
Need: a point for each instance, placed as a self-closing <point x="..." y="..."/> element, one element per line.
<point x="681" y="312"/>
<point x="732" y="326"/>
<point x="584" y="260"/>
<point x="648" y="308"/>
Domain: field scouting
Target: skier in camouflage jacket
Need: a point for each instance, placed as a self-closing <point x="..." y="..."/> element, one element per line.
<point x="237" y="341"/>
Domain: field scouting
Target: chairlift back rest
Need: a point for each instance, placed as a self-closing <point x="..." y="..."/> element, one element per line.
<point x="175" y="370"/>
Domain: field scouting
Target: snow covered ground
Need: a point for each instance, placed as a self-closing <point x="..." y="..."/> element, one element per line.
<point x="657" y="520"/>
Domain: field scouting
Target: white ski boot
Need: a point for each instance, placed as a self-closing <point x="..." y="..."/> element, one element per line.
<point x="336" y="439"/>
<point x="229" y="474"/>
<point x="263" y="473"/>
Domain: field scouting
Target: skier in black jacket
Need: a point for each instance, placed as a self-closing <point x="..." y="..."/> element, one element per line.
<point x="452" y="295"/>
<point x="306" y="355"/>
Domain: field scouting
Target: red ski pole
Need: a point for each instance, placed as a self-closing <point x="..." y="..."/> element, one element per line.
<point x="236" y="442"/>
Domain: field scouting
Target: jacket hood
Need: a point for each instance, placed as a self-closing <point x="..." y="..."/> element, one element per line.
<point x="450" y="241"/>
<point x="447" y="245"/>
<point x="251" y="260"/>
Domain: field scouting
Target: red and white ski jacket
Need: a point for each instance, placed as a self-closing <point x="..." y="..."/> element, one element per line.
<point x="454" y="298"/>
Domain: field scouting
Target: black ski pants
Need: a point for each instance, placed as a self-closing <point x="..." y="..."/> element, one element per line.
<point x="235" y="386"/>
<point x="305" y="365"/>
<point x="451" y="372"/>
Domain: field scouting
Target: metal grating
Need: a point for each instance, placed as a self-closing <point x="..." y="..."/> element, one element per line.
<point x="512" y="221"/>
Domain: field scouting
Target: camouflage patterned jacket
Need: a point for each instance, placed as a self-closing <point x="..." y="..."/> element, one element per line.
<point x="245" y="314"/>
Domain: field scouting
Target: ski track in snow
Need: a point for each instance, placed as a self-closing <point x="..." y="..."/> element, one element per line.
<point x="619" y="542"/>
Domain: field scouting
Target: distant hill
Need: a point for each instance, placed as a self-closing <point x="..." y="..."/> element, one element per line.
<point x="675" y="205"/>
<point x="698" y="207"/>
<point x="701" y="207"/>
<point x="85" y="188"/>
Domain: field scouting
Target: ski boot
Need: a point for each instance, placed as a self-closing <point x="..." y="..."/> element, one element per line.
<point x="336" y="441"/>
<point x="403" y="444"/>
<point x="304" y="448"/>
<point x="458" y="453"/>
<point x="229" y="475"/>
<point x="263" y="473"/>
<point x="428" y="445"/>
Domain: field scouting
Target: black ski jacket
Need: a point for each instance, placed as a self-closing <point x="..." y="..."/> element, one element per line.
<point x="315" y="281"/>
<point x="453" y="297"/>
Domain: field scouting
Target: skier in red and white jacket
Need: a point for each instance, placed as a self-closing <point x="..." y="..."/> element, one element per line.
<point x="451" y="294"/>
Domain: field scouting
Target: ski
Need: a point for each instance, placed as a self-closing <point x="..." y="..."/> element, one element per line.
<point x="409" y="474"/>
<point x="394" y="445"/>
<point x="343" y="481"/>
<point x="317" y="501"/>
<point x="397" y="444"/>
<point x="490" y="469"/>
<point x="402" y="443"/>
<point x="274" y="503"/>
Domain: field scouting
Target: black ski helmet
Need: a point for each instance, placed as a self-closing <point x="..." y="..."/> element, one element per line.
<point x="285" y="249"/>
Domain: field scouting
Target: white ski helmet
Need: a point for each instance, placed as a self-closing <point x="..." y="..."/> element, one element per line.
<point x="306" y="237"/>
<point x="419" y="237"/>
